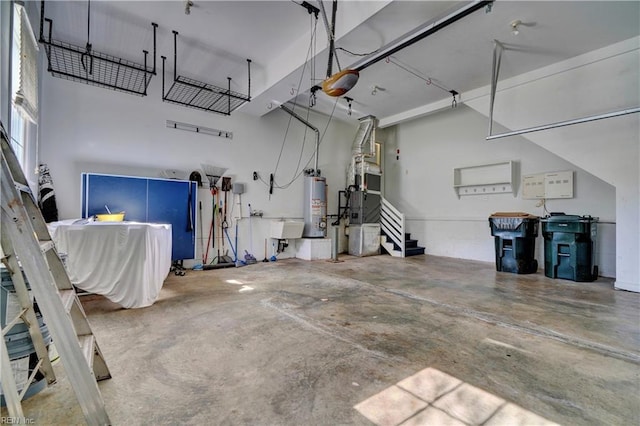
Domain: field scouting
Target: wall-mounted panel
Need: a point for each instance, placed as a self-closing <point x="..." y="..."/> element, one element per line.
<point x="548" y="185"/>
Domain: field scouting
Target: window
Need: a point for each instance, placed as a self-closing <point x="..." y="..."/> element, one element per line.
<point x="24" y="88"/>
<point x="18" y="127"/>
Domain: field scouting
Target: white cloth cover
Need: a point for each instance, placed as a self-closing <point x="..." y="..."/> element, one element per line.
<point x="125" y="261"/>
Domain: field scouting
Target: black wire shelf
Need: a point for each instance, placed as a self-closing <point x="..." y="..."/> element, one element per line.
<point x="203" y="96"/>
<point x="85" y="65"/>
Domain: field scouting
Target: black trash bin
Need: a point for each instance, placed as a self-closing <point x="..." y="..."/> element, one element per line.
<point x="515" y="241"/>
<point x="569" y="247"/>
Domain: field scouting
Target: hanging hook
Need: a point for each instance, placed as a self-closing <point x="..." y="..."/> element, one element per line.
<point x="348" y="99"/>
<point x="454" y="103"/>
<point x="312" y="97"/>
<point x="86" y="59"/>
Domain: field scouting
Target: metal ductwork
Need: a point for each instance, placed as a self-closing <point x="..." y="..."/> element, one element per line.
<point x="363" y="150"/>
<point x="365" y="141"/>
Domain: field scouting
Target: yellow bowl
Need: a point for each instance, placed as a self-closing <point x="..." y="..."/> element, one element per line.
<point x="114" y="217"/>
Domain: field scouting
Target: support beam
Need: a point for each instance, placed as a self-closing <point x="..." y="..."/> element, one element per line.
<point x="564" y="123"/>
<point x="419" y="34"/>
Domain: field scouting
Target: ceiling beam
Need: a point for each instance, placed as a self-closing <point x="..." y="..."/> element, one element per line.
<point x="419" y="34"/>
<point x="283" y="73"/>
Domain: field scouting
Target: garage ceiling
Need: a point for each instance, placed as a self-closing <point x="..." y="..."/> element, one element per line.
<point x="217" y="36"/>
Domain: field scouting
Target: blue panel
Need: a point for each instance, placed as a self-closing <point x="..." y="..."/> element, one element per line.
<point x="120" y="194"/>
<point x="174" y="202"/>
<point x="146" y="200"/>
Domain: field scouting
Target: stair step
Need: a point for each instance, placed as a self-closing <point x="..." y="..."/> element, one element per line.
<point x="414" y="251"/>
<point x="411" y="243"/>
<point x="411" y="246"/>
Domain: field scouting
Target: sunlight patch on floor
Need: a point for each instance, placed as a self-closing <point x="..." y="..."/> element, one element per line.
<point x="431" y="397"/>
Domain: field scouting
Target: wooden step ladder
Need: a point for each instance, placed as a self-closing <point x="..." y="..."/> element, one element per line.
<point x="27" y="246"/>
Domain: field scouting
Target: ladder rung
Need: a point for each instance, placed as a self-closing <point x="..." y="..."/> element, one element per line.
<point x="22" y="188"/>
<point x="30" y="379"/>
<point x="87" y="343"/>
<point x="68" y="297"/>
<point x="18" y="318"/>
<point x="45" y="246"/>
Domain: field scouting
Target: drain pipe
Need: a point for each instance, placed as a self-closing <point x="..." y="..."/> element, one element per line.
<point x="309" y="125"/>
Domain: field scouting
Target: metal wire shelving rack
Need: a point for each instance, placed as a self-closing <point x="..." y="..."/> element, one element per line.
<point x="84" y="65"/>
<point x="203" y="96"/>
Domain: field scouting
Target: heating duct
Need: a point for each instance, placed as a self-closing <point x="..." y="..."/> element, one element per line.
<point x="363" y="151"/>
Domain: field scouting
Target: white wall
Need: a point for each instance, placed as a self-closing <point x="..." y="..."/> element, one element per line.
<point x="420" y="184"/>
<point x="598" y="82"/>
<point x="89" y="129"/>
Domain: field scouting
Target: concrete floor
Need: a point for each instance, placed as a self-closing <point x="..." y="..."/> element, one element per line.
<point x="425" y="340"/>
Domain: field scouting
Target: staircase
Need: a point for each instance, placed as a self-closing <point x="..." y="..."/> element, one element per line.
<point x="411" y="247"/>
<point x="393" y="239"/>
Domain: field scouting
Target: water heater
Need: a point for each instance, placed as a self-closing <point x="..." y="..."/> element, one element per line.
<point x="315" y="207"/>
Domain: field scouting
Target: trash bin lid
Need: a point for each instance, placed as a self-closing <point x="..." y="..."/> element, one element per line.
<point x="513" y="214"/>
<point x="568" y="218"/>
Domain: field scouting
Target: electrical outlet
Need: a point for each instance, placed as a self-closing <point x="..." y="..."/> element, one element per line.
<point x="255" y="175"/>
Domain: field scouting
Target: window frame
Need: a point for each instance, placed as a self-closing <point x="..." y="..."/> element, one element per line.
<point x="23" y="129"/>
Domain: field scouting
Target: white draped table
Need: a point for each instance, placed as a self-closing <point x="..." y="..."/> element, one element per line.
<point x="127" y="262"/>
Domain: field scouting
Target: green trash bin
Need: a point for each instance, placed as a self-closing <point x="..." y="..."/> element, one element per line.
<point x="569" y="247"/>
<point x="515" y="241"/>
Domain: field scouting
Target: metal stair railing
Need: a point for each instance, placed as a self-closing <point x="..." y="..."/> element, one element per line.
<point x="392" y="224"/>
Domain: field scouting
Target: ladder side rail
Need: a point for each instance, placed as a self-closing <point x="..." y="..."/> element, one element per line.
<point x="28" y="314"/>
<point x="9" y="383"/>
<point x="19" y="229"/>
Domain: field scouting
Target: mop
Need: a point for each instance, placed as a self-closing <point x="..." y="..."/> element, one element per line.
<point x="265" y="251"/>
<point x="202" y="252"/>
<point x="236" y="261"/>
<point x="248" y="256"/>
<point x="226" y="187"/>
